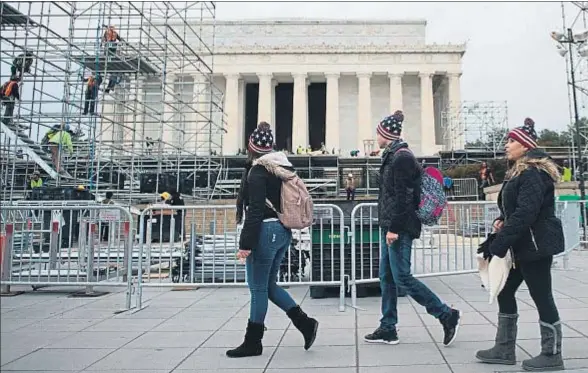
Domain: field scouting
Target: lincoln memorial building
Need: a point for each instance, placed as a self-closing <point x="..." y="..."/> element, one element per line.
<point x="326" y="81"/>
<point x="331" y="82"/>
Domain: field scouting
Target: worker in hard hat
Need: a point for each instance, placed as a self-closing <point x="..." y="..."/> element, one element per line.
<point x="36" y="181"/>
<point x="61" y="139"/>
<point x="35" y="186"/>
<point x="165" y="198"/>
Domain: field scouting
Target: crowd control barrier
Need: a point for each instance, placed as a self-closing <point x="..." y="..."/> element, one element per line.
<point x="195" y="246"/>
<point x="66" y="245"/>
<point x="448" y="248"/>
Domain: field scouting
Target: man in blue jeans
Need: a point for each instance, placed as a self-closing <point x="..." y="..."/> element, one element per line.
<point x="399" y="196"/>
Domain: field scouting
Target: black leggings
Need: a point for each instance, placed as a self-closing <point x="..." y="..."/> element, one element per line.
<point x="537" y="276"/>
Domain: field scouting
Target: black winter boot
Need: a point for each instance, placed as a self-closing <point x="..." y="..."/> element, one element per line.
<point x="504" y="350"/>
<point x="307" y="326"/>
<point x="550" y="357"/>
<point x="251" y="346"/>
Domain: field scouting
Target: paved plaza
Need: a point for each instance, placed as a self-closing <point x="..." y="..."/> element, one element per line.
<point x="189" y="331"/>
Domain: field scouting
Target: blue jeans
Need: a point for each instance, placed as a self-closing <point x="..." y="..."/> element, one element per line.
<point x="395" y="269"/>
<point x="262" y="271"/>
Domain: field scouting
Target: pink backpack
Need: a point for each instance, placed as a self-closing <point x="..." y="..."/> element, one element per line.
<point x="296" y="202"/>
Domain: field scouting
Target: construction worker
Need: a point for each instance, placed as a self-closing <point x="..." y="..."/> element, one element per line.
<point x="62" y="139"/>
<point x="177" y="200"/>
<point x="165" y="198"/>
<point x="9" y="94"/>
<point x="92" y="86"/>
<point x="36" y="181"/>
<point x="110" y="40"/>
<point x="22" y="64"/>
<point x="566" y="175"/>
<point x="105" y="226"/>
<point x="113" y="81"/>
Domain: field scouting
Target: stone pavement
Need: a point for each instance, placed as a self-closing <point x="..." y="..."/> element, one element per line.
<point x="189" y="331"/>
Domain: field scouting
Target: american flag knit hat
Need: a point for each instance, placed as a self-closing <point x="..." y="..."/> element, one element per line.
<point x="261" y="140"/>
<point x="525" y="135"/>
<point x="390" y="127"/>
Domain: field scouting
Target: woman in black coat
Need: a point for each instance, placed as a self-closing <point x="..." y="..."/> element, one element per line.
<point x="528" y="226"/>
<point x="263" y="243"/>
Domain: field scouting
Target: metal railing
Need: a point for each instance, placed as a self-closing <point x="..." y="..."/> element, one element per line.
<point x="463" y="188"/>
<point x="66" y="245"/>
<point x="188" y="246"/>
<point x="446" y="249"/>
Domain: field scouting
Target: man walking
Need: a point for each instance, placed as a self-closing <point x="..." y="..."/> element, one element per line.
<point x="400" y="176"/>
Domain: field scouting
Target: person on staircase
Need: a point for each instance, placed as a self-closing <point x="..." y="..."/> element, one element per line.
<point x="21" y="64"/>
<point x="263" y="244"/>
<point x="92" y="86"/>
<point x="113" y="80"/>
<point x="35" y="186"/>
<point x="57" y="143"/>
<point x="529" y="228"/>
<point x="36" y="181"/>
<point x="110" y="40"/>
<point x="9" y="95"/>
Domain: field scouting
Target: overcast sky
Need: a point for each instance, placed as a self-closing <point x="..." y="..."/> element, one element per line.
<point x="510" y="55"/>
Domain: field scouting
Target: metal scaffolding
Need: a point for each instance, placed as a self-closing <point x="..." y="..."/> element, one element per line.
<point x="475" y="125"/>
<point x="575" y="17"/>
<point x="141" y="108"/>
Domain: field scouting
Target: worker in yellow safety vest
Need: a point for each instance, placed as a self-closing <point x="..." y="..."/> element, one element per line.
<point x="61" y="139"/>
<point x="566" y="175"/>
<point x="36" y="181"/>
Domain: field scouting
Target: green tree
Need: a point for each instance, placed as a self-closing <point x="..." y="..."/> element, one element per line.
<point x="549" y="138"/>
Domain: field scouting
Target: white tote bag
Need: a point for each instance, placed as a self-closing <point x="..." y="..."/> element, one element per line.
<point x="494" y="273"/>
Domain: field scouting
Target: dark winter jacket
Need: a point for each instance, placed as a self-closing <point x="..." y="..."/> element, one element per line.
<point x="400" y="176"/>
<point x="527" y="207"/>
<point x="262" y="184"/>
<point x="242" y="195"/>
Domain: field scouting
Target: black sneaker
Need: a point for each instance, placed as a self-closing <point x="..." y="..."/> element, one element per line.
<point x="450" y="327"/>
<point x="389" y="337"/>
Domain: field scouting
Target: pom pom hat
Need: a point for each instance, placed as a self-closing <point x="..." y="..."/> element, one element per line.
<point x="390" y="127"/>
<point x="525" y="135"/>
<point x="261" y="140"/>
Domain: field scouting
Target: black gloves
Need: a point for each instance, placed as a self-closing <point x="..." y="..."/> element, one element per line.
<point x="484" y="247"/>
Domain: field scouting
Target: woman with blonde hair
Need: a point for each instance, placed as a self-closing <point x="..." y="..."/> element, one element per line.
<point x="528" y="226"/>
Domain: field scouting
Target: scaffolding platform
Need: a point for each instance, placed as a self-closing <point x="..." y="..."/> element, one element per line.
<point x="10" y="16"/>
<point x="117" y="64"/>
<point x="163" y="116"/>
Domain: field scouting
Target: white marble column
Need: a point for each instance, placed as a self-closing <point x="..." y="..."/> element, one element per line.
<point x="364" y="109"/>
<point x="332" y="118"/>
<point x="395" y="92"/>
<point x="133" y="136"/>
<point x="264" y="106"/>
<point x="300" y="112"/>
<point x="231" y="138"/>
<point x="457" y="139"/>
<point x="428" y="146"/>
<point x="201" y="115"/>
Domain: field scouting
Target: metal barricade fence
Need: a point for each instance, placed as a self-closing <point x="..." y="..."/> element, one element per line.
<point x="448" y="248"/>
<point x="65" y="244"/>
<point x="463" y="188"/>
<point x="188" y="246"/>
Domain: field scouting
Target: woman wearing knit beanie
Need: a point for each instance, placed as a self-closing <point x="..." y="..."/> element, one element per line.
<point x="528" y="226"/>
<point x="264" y="242"/>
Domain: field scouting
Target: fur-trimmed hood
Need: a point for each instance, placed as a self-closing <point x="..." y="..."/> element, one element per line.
<point x="535" y="158"/>
<point x="276" y="163"/>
